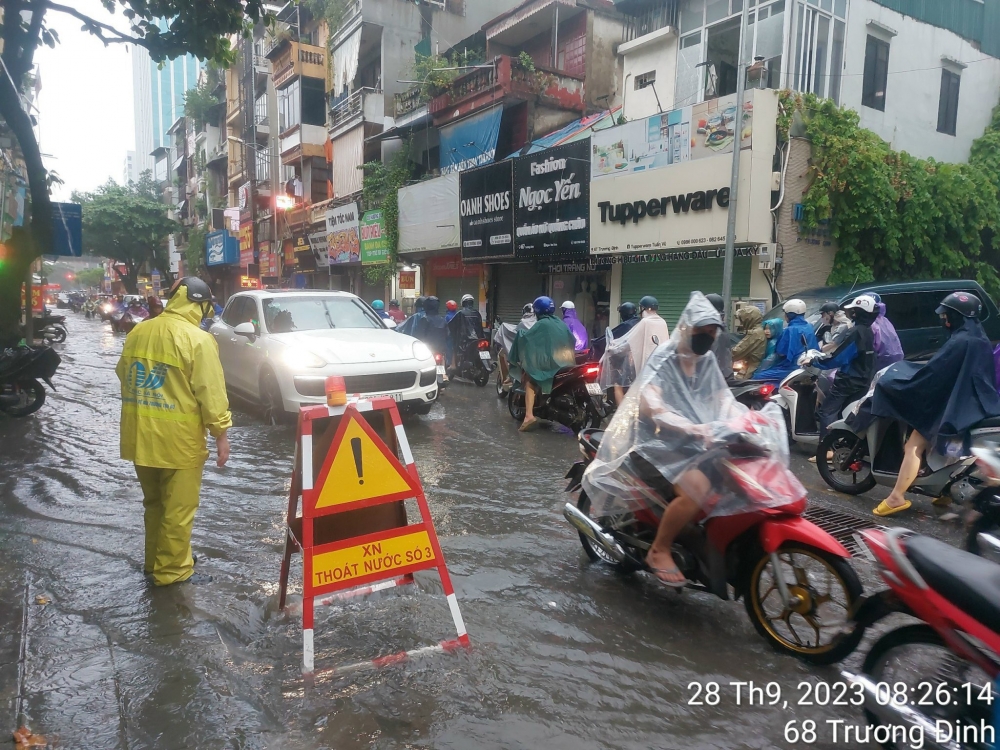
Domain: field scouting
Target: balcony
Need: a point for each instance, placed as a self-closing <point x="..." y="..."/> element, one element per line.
<point x="407" y="102"/>
<point x="365" y="104"/>
<point x="303" y="142"/>
<point x="296" y="59"/>
<point x="263" y="165"/>
<point x="217" y="155"/>
<point x="260" y="49"/>
<point x="650" y="17"/>
<point x="260" y="113"/>
<point x="348" y="22"/>
<point x="236" y="171"/>
<point x="234" y="112"/>
<point x="507" y="79"/>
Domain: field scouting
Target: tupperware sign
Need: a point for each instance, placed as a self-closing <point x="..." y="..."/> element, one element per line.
<point x="552" y="202"/>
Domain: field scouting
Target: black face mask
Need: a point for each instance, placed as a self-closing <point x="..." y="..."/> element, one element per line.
<point x="702" y="343"/>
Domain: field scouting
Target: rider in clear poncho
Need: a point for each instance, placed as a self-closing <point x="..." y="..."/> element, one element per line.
<point x="680" y="420"/>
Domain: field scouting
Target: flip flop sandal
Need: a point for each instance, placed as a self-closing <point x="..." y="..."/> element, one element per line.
<point x="884" y="510"/>
<point x="671" y="584"/>
<point x="529" y="426"/>
<point x="941" y="502"/>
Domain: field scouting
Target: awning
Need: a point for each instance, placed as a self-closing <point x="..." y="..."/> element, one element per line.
<point x="471" y="142"/>
<point x="345" y="63"/>
<point x="575" y="131"/>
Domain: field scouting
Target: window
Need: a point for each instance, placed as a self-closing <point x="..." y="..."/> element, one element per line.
<point x="239" y="310"/>
<point x="819" y="50"/>
<point x="315" y="313"/>
<point x="644" y="80"/>
<point x="876" y="73"/>
<point x="948" y="103"/>
<point x="289" y="105"/>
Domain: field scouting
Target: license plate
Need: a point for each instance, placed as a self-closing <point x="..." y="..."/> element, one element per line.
<point x="485" y="356"/>
<point x="440" y="370"/>
<point x="594" y="389"/>
<point x="394" y="396"/>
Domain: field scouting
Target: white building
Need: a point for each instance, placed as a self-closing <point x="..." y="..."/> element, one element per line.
<point x="130" y="172"/>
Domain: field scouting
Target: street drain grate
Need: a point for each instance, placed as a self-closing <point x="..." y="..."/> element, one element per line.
<point x="841" y="526"/>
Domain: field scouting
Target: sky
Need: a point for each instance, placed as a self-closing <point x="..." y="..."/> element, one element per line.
<point x="86" y="116"/>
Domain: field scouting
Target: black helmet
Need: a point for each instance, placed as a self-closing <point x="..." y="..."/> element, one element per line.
<point x="717" y="302"/>
<point x="419" y="303"/>
<point x="829" y="307"/>
<point x="649" y="303"/>
<point x="965" y="304"/>
<point x="197" y="290"/>
<point x="432" y="305"/>
<point x="627" y="310"/>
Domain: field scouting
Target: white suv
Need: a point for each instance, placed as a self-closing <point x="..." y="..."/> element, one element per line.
<point x="278" y="347"/>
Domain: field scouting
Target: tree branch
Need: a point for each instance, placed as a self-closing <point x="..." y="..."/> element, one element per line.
<point x="27" y="58"/>
<point x="95" y="27"/>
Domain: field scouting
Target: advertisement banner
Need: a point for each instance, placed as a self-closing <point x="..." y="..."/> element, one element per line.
<point x="343" y="242"/>
<point x="246" y="243"/>
<point x="407" y="280"/>
<point x="552" y="202"/>
<point x="221" y="249"/>
<point x="471" y="142"/>
<point x="268" y="260"/>
<point x="320" y="248"/>
<point x="486" y="211"/>
<point x="249" y="282"/>
<point x="428" y="215"/>
<point x="688" y="134"/>
<point x="67" y="230"/>
<point x="374" y="244"/>
<point x="287" y="257"/>
<point x="156" y="282"/>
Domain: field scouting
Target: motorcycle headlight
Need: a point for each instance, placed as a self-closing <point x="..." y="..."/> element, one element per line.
<point x="421" y="351"/>
<point x="301" y="359"/>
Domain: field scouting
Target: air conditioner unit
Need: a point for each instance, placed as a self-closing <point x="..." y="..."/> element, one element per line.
<point x="436" y="3"/>
<point x="766" y="255"/>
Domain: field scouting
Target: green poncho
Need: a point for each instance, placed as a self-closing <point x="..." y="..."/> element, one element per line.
<point x="542" y="351"/>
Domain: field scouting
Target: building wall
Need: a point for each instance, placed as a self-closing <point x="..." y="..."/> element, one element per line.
<point x="604" y="34"/>
<point x="143" y="108"/>
<point x="909" y="122"/>
<point x="656" y="52"/>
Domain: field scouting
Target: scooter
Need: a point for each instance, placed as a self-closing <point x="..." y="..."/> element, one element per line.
<point x="983" y="516"/>
<point x="475" y="362"/>
<point x="929" y="684"/>
<point x="853" y="463"/>
<point x="753" y="394"/>
<point x="49" y="328"/>
<point x="503" y="339"/>
<point x="576" y="400"/>
<point x="128" y="319"/>
<point x="797" y="585"/>
<point x="20" y="370"/>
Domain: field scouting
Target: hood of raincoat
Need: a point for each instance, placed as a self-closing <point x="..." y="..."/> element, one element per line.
<point x="577" y="328"/>
<point x="466" y="325"/>
<point x="680" y="412"/>
<point x="625" y="357"/>
<point x="542" y="351"/>
<point x="888" y="349"/>
<point x="749" y="318"/>
<point x="181" y="306"/>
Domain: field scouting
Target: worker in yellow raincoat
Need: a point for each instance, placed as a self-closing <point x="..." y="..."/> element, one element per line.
<point x="173" y="390"/>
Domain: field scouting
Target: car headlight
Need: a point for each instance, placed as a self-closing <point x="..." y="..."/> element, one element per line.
<point x="300" y="359"/>
<point x="421" y="351"/>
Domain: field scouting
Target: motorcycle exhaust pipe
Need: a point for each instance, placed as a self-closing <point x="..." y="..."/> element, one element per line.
<point x="586" y="526"/>
<point x="892" y="715"/>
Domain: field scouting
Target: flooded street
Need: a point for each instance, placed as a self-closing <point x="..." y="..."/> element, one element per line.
<point x="565" y="654"/>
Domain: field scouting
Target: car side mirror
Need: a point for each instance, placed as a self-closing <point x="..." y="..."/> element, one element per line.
<point x="245" y="329"/>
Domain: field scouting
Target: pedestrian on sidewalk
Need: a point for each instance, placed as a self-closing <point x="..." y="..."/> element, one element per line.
<point x="173" y="389"/>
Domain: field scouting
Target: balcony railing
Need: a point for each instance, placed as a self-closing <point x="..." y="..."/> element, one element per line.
<point x="263" y="165"/>
<point x="657" y="15"/>
<point x="260" y="49"/>
<point x="360" y="103"/>
<point x="351" y="11"/>
<point x="299" y="59"/>
<point x="407" y="102"/>
<point x="260" y="110"/>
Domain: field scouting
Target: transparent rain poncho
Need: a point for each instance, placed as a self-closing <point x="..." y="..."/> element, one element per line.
<point x="681" y="419"/>
<point x="624" y="357"/>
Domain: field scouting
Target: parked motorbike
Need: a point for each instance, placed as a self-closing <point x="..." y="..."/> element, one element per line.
<point x="503" y="339"/>
<point x="20" y="370"/>
<point x="983" y="516"/>
<point x="474" y="362"/>
<point x="128" y="319"/>
<point x="854" y="463"/>
<point x="576" y="400"/>
<point x="49" y="328"/>
<point x="930" y="684"/>
<point x="797" y="585"/>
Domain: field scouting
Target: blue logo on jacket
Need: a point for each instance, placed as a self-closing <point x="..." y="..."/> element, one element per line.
<point x="141" y="379"/>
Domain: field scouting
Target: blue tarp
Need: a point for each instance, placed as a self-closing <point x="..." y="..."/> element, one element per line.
<point x="67" y="229"/>
<point x="471" y="142"/>
<point x="575" y="131"/>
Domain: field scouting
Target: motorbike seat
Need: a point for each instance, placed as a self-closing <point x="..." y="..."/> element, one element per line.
<point x="969" y="582"/>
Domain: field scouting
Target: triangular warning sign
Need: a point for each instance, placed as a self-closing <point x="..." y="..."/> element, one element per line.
<point x="362" y="468"/>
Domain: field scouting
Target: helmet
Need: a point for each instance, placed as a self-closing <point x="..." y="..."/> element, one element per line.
<point x="544" y="306"/>
<point x="627" y="310"/>
<point x="450" y="305"/>
<point x="527" y="310"/>
<point x="794" y="307"/>
<point x="717" y="302"/>
<point x="567" y="305"/>
<point x="418" y="304"/>
<point x="197" y="290"/>
<point x="864" y="303"/>
<point x="829" y="307"/>
<point x="394" y="303"/>
<point x="649" y="303"/>
<point x="432" y="305"/>
<point x="378" y="304"/>
<point x="875" y="296"/>
<point x="468" y="300"/>
<point x="965" y="304"/>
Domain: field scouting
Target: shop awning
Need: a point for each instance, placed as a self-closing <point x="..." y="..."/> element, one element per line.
<point x="575" y="131"/>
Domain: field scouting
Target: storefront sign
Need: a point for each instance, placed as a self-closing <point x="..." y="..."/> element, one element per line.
<point x="249" y="282"/>
<point x="407" y="280"/>
<point x="320" y="247"/>
<point x="37" y="298"/>
<point x="588" y="265"/>
<point x="471" y="142"/>
<point x="486" y="210"/>
<point x="374" y="245"/>
<point x="156" y="282"/>
<point x="268" y="260"/>
<point x="287" y="257"/>
<point x="344" y="244"/>
<point x="450" y="266"/>
<point x="221" y="249"/>
<point x="552" y="202"/>
<point x="246" y="243"/>
<point x="428" y="215"/>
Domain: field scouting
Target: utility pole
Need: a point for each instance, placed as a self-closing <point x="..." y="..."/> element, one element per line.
<point x="734" y="183"/>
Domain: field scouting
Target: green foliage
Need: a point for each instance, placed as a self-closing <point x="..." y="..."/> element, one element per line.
<point x="90" y="277"/>
<point x="381" y="190"/>
<point x="194" y="253"/>
<point x="895" y="216"/>
<point x="438" y="71"/>
<point x="526" y="61"/>
<point x="199" y="103"/>
<point x="332" y="11"/>
<point x="127" y="224"/>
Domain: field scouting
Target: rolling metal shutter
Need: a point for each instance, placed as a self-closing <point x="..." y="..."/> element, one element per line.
<point x="517" y="284"/>
<point x="672" y="282"/>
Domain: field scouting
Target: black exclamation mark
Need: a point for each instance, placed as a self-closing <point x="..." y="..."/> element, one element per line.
<point x="356" y="449"/>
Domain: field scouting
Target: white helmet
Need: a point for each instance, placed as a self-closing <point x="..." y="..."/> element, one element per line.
<point x="794" y="307"/>
<point x="468" y="298"/>
<point x="864" y="302"/>
<point x="567" y="305"/>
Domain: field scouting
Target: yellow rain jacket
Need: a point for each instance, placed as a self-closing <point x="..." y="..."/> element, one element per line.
<point x="172" y="389"/>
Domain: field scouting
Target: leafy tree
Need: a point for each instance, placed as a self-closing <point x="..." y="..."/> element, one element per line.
<point x="194" y="253"/>
<point x="90" y="277"/>
<point x="129" y="225"/>
<point x="197" y="27"/>
<point x="381" y="190"/>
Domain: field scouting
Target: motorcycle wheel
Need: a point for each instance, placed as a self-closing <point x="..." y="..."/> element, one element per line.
<point x="32" y="396"/>
<point x="857" y="478"/>
<point x="595" y="552"/>
<point x="515" y="405"/>
<point x="827" y="588"/>
<point x="500" y="391"/>
<point x="915" y="655"/>
<point x="58" y="335"/>
<point x="482" y="378"/>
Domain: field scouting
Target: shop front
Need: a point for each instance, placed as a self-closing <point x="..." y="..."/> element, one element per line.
<point x="660" y="202"/>
<point x="222" y="259"/>
<point x="343" y="247"/>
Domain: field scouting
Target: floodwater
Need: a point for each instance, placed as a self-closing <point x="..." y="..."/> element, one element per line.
<point x="565" y="654"/>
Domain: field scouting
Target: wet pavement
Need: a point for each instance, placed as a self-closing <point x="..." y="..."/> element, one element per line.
<point x="566" y="654"/>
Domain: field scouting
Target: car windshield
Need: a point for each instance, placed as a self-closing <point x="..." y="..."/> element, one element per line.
<point x="813" y="304"/>
<point x="314" y="313"/>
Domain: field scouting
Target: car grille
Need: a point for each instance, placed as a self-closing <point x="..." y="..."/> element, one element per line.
<point x="384" y="383"/>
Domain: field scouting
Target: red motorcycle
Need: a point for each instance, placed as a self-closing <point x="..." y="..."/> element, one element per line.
<point x="797" y="585"/>
<point x="932" y="684"/>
